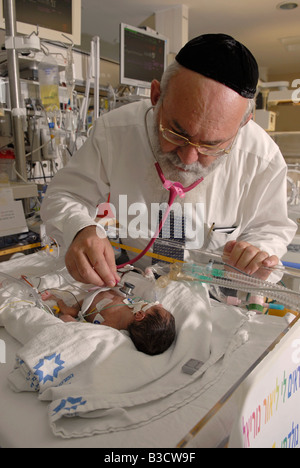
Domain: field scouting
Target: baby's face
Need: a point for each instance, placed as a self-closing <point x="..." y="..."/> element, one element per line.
<point x="121" y="315"/>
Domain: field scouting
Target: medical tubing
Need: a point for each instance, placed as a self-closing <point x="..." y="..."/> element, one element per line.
<point x="180" y="190"/>
<point x="174" y="189"/>
<point x="291" y="265"/>
<point x="287" y="268"/>
<point x="172" y="197"/>
<point x="281" y="296"/>
<point x="241" y="283"/>
<point x="31" y="291"/>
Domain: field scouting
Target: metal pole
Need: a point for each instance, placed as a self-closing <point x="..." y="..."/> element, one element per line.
<point x="96" y="42"/>
<point x="15" y="89"/>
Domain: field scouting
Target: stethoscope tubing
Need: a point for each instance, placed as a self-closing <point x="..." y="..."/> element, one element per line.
<point x="175" y="189"/>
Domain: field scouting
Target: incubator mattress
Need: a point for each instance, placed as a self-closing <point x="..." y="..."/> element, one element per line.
<point x="25" y="419"/>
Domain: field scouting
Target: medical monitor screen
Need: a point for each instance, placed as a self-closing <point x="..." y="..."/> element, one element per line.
<point x="51" y="14"/>
<point x="56" y="19"/>
<point x="143" y="56"/>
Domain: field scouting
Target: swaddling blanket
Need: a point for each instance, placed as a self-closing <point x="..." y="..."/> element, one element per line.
<point x="95" y="379"/>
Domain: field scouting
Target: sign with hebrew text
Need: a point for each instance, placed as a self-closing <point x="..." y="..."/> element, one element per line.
<point x="270" y="399"/>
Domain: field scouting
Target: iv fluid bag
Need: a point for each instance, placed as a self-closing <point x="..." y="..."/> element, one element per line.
<point x="49" y="83"/>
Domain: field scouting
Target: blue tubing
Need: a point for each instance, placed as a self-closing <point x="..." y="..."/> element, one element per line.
<point x="276" y="306"/>
<point x="291" y="265"/>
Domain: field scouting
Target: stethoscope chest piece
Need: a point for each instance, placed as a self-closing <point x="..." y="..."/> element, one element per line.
<point x="127" y="289"/>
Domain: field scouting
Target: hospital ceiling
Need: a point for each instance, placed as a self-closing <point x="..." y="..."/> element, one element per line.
<point x="259" y="24"/>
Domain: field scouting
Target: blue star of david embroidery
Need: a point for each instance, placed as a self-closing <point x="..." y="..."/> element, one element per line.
<point x="48" y="368"/>
<point x="70" y="404"/>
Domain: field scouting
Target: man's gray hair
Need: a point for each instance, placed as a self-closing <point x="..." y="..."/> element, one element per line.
<point x="174" y="68"/>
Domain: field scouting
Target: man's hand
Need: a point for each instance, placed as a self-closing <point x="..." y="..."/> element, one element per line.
<point x="249" y="259"/>
<point x="91" y="260"/>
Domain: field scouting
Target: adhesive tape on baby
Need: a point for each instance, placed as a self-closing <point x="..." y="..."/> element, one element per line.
<point x="103" y="303"/>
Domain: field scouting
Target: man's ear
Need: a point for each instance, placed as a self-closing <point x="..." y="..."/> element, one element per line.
<point x="249" y="118"/>
<point x="155" y="92"/>
<point x="139" y="316"/>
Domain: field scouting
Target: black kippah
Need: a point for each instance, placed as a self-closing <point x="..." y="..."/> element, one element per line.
<point x="223" y="59"/>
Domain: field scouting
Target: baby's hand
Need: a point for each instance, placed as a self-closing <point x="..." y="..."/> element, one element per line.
<point x="47" y="296"/>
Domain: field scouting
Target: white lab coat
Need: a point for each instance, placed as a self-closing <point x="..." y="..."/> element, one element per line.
<point x="246" y="191"/>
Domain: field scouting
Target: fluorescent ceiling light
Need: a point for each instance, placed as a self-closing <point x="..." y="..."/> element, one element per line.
<point x="291" y="44"/>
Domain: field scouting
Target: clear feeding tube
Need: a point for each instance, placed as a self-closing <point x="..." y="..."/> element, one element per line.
<point x="209" y="274"/>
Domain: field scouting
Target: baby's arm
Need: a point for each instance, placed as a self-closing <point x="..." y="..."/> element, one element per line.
<point x="63" y="307"/>
<point x="68" y="310"/>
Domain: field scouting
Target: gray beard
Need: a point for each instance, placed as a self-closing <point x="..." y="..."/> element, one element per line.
<point x="168" y="161"/>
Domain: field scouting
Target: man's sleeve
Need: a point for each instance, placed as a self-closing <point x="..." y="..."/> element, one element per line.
<point x="75" y="192"/>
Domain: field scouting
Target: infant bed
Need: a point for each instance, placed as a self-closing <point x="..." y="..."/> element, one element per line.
<point x="165" y="404"/>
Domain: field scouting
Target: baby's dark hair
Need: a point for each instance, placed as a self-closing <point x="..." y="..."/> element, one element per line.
<point x="155" y="334"/>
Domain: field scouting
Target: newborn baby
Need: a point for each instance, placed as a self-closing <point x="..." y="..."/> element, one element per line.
<point x="150" y="326"/>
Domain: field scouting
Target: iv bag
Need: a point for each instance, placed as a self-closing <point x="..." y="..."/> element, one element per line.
<point x="49" y="83"/>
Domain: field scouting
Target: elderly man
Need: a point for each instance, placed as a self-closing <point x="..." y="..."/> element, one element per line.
<point x="198" y="128"/>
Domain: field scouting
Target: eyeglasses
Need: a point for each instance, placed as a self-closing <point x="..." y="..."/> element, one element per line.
<point x="206" y="150"/>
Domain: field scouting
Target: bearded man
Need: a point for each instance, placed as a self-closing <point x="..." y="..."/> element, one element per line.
<point x="197" y="131"/>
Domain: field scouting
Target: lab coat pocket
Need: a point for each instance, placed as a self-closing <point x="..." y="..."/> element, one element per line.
<point x="217" y="240"/>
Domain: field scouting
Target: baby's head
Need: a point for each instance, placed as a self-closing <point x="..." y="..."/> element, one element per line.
<point x="155" y="333"/>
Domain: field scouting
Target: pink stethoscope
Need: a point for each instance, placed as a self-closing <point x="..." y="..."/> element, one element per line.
<point x="175" y="189"/>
